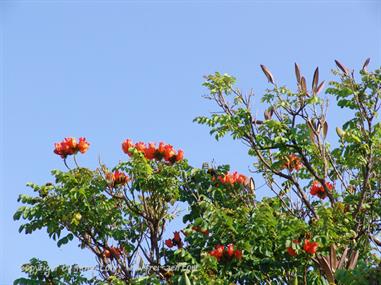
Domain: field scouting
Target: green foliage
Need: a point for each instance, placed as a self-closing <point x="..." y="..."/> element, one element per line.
<point x="39" y="273"/>
<point x="362" y="275"/>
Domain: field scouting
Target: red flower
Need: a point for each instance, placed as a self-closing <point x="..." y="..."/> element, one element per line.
<point x="293" y="163"/>
<point x="231" y="179"/>
<point x="175" y="241"/>
<point x="70" y="146"/>
<point x="169" y="152"/>
<point x="238" y="254"/>
<point x="116" y="252"/>
<point x="329" y="185"/>
<point x="218" y="251"/>
<point x="214" y="254"/>
<point x="83" y="145"/>
<point x="310" y="247"/>
<point x="222" y="179"/>
<point x="112" y="252"/>
<point x="176" y="236"/>
<point x="318" y="190"/>
<point x="161" y="148"/>
<point x="71" y="143"/>
<point x="230" y="249"/>
<point x="291" y="251"/>
<point x="106" y="253"/>
<point x="241" y="179"/>
<point x="169" y="243"/>
<point x="315" y="188"/>
<point x="180" y="155"/>
<point x="119" y="178"/>
<point x="60" y="150"/>
<point x="126" y="145"/>
<point x="150" y="151"/>
<point x="140" y="146"/>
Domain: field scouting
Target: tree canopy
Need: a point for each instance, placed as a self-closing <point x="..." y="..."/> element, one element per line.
<point x="319" y="225"/>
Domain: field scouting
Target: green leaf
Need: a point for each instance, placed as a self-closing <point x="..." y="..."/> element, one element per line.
<point x="65" y="239"/>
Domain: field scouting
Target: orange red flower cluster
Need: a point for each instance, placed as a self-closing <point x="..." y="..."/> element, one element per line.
<point x="175" y="241"/>
<point x="293" y="162"/>
<point x="309" y="247"/>
<point x="318" y="190"/>
<point x="113" y="252"/>
<point x="117" y="178"/>
<point x="232" y="179"/>
<point x="163" y="151"/>
<point x="292" y="251"/>
<point x="70" y="146"/>
<point x="227" y="253"/>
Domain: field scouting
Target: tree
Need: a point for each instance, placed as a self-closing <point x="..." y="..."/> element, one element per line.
<point x="320" y="226"/>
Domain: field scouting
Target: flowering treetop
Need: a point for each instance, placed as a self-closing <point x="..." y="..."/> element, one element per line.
<point x="320" y="225"/>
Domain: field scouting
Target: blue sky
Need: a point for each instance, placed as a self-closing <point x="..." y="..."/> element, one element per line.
<point x="109" y="70"/>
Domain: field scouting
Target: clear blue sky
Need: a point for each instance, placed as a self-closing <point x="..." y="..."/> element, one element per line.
<point x="108" y="70"/>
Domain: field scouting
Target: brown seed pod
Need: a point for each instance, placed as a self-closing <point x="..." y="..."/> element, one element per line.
<point x="268" y="74"/>
<point x="325" y="129"/>
<point x="315" y="80"/>
<point x="250" y="186"/>
<point x="342" y="67"/>
<point x="297" y="73"/>
<point x="365" y="65"/>
<point x="319" y="88"/>
<point x="269" y="113"/>
<point x="340" y="132"/>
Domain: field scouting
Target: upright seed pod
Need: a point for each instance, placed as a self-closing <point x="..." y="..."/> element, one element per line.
<point x="269" y="113"/>
<point x="342" y="67"/>
<point x="297" y="73"/>
<point x="365" y="65"/>
<point x="319" y="88"/>
<point x="268" y="74"/>
<point x="303" y="84"/>
<point x="251" y="186"/>
<point x="315" y="80"/>
<point x="340" y="132"/>
<point x="325" y="129"/>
